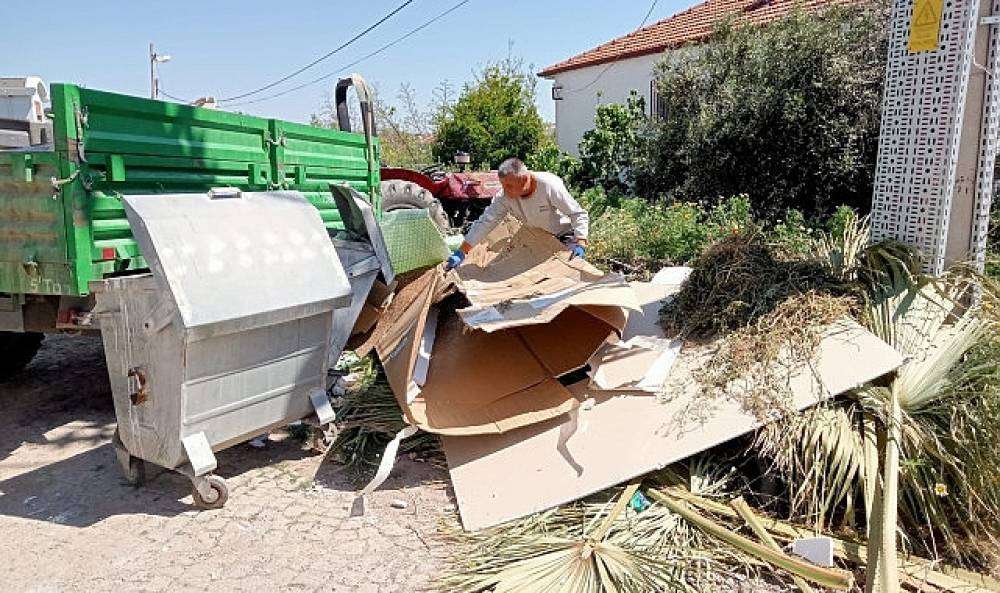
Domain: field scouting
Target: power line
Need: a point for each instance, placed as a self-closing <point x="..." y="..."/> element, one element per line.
<point x="612" y="64"/>
<point x="355" y="62"/>
<point x="323" y="57"/>
<point x="169" y="96"/>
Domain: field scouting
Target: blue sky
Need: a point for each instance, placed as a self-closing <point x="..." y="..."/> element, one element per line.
<point x="225" y="47"/>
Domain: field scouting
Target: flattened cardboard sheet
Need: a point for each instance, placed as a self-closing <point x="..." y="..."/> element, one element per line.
<point x="498" y="478"/>
<point x="529" y="278"/>
<point x="504" y="372"/>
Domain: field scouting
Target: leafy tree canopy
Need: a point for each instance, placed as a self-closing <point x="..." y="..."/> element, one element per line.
<point x="493" y="118"/>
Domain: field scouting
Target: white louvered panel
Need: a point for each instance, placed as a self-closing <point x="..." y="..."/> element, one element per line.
<point x="921" y="124"/>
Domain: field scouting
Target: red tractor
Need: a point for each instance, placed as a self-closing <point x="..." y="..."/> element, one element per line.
<point x="452" y="199"/>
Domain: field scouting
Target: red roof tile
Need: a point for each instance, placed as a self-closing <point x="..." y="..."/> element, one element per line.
<point x="690" y="26"/>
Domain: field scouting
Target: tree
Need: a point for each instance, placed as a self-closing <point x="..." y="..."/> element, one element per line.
<point x="404" y="130"/>
<point x="611" y="152"/>
<point x="787" y="112"/>
<point x="493" y="118"/>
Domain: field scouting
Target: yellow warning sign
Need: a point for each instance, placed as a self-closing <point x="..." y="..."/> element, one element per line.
<point x="925" y="25"/>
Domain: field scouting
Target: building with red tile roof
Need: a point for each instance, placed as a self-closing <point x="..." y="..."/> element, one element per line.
<point x="608" y="72"/>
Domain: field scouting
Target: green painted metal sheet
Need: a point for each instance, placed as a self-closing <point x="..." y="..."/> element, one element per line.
<point x="108" y="145"/>
<point x="308" y="159"/>
<point x="33" y="243"/>
<point x="412" y="240"/>
<point x="121" y="124"/>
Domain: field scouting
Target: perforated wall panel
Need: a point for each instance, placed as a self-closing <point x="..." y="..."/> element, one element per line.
<point x="921" y="124"/>
<point x="987" y="146"/>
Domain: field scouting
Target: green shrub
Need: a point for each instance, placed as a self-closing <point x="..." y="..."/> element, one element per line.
<point x="788" y="113"/>
<point x="641" y="235"/>
<point x="841" y="218"/>
<point x="793" y="234"/>
<point x="632" y="234"/>
<point x="549" y="158"/>
<point x="731" y="217"/>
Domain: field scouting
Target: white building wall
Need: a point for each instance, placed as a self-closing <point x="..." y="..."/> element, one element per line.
<point x="581" y="95"/>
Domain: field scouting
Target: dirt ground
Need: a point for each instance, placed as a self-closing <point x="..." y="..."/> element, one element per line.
<point x="70" y="523"/>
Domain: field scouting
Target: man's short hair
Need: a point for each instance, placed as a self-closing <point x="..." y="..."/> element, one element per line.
<point x="512" y="166"/>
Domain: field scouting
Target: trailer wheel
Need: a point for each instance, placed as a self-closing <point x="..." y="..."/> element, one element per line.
<point x="16" y="351"/>
<point x="406" y="195"/>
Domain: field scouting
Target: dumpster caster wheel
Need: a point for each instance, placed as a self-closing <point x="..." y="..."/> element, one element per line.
<point x="133" y="468"/>
<point x="215" y="498"/>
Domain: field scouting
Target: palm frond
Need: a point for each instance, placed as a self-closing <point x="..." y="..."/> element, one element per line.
<point x="841" y="253"/>
<point x="944" y="389"/>
<point x="555" y="552"/>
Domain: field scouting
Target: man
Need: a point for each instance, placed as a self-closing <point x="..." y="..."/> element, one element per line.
<point x="536" y="199"/>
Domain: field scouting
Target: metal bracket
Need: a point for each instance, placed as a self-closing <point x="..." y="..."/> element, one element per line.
<point x="217" y="193"/>
<point x="199" y="453"/>
<point x="321" y="403"/>
<point x="81" y="117"/>
<point x="141" y="394"/>
<point x="993" y="19"/>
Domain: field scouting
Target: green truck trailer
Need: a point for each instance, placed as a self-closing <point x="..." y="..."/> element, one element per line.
<point x="224" y="258"/>
<point x="62" y="222"/>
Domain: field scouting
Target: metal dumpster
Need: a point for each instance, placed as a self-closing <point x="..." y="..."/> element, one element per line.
<point x="230" y="333"/>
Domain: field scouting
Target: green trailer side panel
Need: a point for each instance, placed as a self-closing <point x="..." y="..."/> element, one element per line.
<point x="308" y="159"/>
<point x="55" y="241"/>
<point x="33" y="242"/>
<point x="120" y="124"/>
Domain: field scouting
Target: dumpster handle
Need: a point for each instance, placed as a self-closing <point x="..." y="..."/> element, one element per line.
<point x="217" y="193"/>
<point x="141" y="395"/>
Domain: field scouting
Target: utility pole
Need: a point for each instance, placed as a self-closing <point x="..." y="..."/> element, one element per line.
<point x="154" y="79"/>
<point x="938" y="140"/>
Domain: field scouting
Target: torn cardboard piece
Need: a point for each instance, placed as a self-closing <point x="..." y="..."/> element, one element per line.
<point x="626" y="435"/>
<point x="643" y="358"/>
<point x="378" y="298"/>
<point x="528" y="278"/>
<point x="478" y="381"/>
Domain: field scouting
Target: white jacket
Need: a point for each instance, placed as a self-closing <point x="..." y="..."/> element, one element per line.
<point x="549" y="207"/>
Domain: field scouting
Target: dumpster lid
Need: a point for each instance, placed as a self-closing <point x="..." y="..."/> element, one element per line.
<point x="242" y="259"/>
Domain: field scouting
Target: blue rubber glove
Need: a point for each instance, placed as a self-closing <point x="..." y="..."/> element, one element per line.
<point x="454" y="259"/>
<point x="576" y="250"/>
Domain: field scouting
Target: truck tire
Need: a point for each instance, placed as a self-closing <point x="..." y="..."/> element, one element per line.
<point x="16" y="351"/>
<point x="406" y="195"/>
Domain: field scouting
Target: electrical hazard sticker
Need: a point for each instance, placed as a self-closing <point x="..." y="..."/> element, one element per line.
<point x="925" y="25"/>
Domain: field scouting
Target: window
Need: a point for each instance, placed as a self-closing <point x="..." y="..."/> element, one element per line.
<point x="657" y="108"/>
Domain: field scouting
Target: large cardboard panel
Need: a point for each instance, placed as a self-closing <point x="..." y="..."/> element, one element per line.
<point x="529" y="278"/>
<point x="504" y="374"/>
<point x="498" y="478"/>
<point x="478" y="382"/>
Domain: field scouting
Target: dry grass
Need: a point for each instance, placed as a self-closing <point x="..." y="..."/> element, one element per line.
<point x="762" y="314"/>
<point x="753" y="363"/>
<point x="368" y="417"/>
